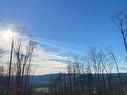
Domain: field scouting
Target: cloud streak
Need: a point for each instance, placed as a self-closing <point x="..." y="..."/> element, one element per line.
<point x="49" y="57"/>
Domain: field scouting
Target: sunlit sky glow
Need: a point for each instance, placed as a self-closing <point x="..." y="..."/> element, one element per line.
<point x="62" y="27"/>
<point x="7" y="34"/>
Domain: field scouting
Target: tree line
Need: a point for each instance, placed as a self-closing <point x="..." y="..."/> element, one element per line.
<point x="93" y="74"/>
<point x="90" y="75"/>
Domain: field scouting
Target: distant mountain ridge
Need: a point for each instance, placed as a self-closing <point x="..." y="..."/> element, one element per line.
<point x="44" y="80"/>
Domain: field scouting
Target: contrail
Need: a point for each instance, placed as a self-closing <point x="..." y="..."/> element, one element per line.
<point x="57" y="46"/>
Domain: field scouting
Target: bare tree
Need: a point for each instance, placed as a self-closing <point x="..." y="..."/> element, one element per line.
<point x="116" y="65"/>
<point x="10" y="65"/>
<point x="120" y="19"/>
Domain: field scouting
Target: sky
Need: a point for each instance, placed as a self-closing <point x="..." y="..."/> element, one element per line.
<point x="65" y="27"/>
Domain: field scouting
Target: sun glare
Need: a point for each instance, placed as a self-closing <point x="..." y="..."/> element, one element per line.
<point x="8" y="34"/>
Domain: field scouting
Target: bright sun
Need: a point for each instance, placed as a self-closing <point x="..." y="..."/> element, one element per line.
<point x="8" y="34"/>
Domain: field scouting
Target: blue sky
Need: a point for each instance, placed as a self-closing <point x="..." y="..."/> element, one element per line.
<point x="70" y="25"/>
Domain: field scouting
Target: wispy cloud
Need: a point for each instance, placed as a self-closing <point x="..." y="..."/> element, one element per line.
<point x="58" y="47"/>
<point x="49" y="58"/>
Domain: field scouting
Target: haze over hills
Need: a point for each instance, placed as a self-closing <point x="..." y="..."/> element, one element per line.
<point x="44" y="80"/>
